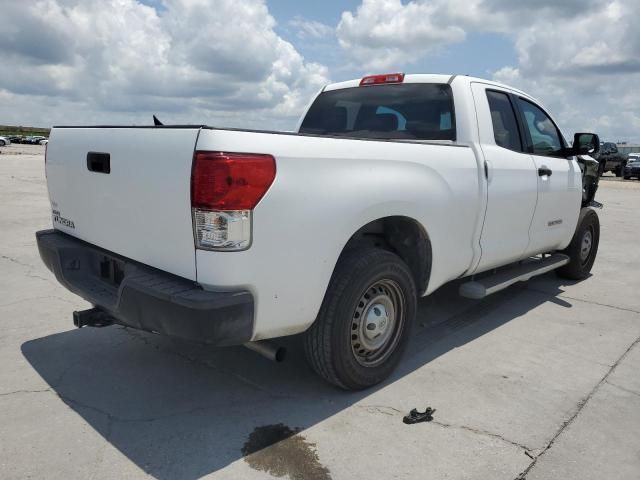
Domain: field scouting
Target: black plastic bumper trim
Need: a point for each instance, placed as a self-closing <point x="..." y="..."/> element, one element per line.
<point x="147" y="298"/>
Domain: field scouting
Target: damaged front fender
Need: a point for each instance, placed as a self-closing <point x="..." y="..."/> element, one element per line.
<point x="590" y="177"/>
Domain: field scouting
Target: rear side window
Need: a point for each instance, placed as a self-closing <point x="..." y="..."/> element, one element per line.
<point x="503" y="117"/>
<point x="412" y="111"/>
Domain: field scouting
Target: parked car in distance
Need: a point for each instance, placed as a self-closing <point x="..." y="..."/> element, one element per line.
<point x="33" y="139"/>
<point x="632" y="168"/>
<point x="391" y="186"/>
<point x="611" y="159"/>
<point x="44" y="141"/>
<point x="4" y="141"/>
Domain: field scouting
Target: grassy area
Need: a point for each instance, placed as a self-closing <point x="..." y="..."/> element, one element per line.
<point x="24" y="131"/>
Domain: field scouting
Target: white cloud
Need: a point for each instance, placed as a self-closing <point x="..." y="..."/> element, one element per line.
<point x="585" y="69"/>
<point x="386" y="34"/>
<point x="311" y="28"/>
<point x="580" y="57"/>
<point x="118" y="61"/>
<point x="106" y="60"/>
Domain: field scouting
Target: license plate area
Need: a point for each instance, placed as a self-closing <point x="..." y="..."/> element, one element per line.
<point x="111" y="270"/>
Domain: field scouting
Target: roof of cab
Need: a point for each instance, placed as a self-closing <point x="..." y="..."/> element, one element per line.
<point x="432" y="78"/>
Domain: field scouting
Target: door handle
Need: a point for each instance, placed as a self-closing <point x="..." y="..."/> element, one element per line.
<point x="542" y="171"/>
<point x="99" y="162"/>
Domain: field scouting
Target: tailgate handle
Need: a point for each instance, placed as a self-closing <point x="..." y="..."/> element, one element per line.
<point x="99" y="162"/>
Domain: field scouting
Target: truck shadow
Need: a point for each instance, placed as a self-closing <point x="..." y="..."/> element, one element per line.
<point x="179" y="410"/>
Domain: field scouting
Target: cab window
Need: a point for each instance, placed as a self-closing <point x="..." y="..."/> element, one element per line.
<point x="408" y="111"/>
<point x="543" y="134"/>
<point x="505" y="127"/>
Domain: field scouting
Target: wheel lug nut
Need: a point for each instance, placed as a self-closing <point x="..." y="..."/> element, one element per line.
<point x="371" y="326"/>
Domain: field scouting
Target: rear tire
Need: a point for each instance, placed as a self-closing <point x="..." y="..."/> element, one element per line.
<point x="583" y="248"/>
<point x="365" y="320"/>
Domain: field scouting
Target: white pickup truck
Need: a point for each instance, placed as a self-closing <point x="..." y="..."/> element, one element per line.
<point x="391" y="186"/>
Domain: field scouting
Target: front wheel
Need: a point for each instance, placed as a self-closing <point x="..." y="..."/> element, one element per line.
<point x="2" y="143"/>
<point x="365" y="319"/>
<point x="583" y="248"/>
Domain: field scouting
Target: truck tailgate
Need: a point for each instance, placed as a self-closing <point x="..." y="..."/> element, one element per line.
<point x="126" y="190"/>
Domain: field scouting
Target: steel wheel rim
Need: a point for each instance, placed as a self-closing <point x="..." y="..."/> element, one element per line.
<point x="377" y="322"/>
<point x="586" y="245"/>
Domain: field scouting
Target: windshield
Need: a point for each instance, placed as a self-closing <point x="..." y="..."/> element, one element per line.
<point x="413" y="111"/>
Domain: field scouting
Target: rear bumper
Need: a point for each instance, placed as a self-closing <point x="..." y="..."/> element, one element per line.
<point x="146" y="298"/>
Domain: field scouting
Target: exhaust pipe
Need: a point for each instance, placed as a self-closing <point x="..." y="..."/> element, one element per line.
<point x="267" y="350"/>
<point x="94" y="317"/>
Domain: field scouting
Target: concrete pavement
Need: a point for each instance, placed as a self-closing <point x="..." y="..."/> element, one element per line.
<point x="541" y="381"/>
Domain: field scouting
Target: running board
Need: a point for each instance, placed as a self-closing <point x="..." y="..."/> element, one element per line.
<point x="520" y="272"/>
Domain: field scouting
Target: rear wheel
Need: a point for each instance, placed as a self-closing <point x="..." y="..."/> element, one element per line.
<point x="583" y="248"/>
<point x="365" y="320"/>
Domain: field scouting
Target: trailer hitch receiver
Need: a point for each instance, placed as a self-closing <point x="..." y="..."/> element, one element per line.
<point x="94" y="317"/>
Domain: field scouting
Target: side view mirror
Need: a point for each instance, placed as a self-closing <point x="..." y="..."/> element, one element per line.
<point x="586" y="144"/>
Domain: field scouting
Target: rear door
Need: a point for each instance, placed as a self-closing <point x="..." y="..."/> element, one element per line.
<point x="126" y="190"/>
<point x="511" y="179"/>
<point x="559" y="180"/>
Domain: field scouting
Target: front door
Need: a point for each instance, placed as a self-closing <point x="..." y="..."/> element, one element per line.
<point x="559" y="181"/>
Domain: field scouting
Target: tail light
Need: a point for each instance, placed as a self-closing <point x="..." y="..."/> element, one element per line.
<point x="384" y="78"/>
<point x="225" y="188"/>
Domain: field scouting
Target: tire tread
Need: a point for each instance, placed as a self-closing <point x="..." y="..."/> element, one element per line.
<point x="318" y="341"/>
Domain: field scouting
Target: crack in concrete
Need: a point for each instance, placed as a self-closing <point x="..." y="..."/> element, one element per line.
<point x="580" y="405"/>
<point x="590" y="302"/>
<point x="113" y="419"/>
<point x="29" y="299"/>
<point x="15" y="392"/>
<point x="485" y="433"/>
<point x="30" y="269"/>
<point x="391" y="411"/>
<point x="624" y="389"/>
<point x="16" y="261"/>
<point x="197" y="361"/>
<point x="382" y="409"/>
<point x="110" y="417"/>
<point x="40" y="277"/>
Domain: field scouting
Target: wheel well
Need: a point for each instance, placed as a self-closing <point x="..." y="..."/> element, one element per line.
<point x="405" y="237"/>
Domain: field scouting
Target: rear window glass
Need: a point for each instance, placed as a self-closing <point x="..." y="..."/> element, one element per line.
<point x="412" y="111"/>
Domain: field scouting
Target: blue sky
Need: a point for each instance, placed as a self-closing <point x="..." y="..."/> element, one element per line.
<point x="256" y="63"/>
<point x="480" y="54"/>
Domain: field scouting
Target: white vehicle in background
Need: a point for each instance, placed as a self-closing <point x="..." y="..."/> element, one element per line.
<point x="4" y="141"/>
<point x="392" y="186"/>
<point x="632" y="168"/>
